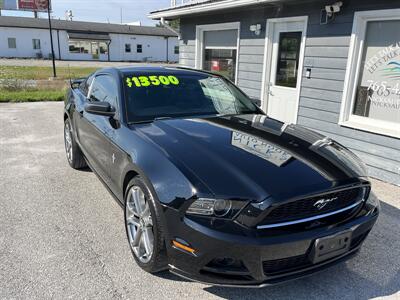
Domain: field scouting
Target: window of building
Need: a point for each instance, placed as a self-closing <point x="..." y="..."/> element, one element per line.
<point x="217" y="48"/>
<point x="176" y="49"/>
<point x="103" y="48"/>
<point x="288" y="58"/>
<point x="128" y="48"/>
<point x="12" y="43"/>
<point x="139" y="48"/>
<point x="36" y="44"/>
<point x="87" y="47"/>
<point x="372" y="92"/>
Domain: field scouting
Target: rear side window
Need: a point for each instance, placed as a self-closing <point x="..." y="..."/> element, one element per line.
<point x="84" y="86"/>
<point x="105" y="89"/>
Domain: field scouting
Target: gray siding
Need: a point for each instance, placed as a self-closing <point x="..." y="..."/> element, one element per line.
<point x="326" y="54"/>
<point x="251" y="55"/>
<point x="187" y="53"/>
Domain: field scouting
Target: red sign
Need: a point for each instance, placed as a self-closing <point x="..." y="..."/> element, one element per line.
<point x="215" y="65"/>
<point x="35" y="5"/>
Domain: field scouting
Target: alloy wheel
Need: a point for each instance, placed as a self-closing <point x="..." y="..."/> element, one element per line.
<point x="68" y="141"/>
<point x="139" y="224"/>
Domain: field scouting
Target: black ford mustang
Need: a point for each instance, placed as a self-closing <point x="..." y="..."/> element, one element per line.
<point x="212" y="188"/>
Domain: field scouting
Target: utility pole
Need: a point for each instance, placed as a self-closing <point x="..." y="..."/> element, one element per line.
<point x="51" y="40"/>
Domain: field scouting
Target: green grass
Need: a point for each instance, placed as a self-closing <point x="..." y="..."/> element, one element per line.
<point x="36" y="73"/>
<point x="46" y="90"/>
<point x="31" y="95"/>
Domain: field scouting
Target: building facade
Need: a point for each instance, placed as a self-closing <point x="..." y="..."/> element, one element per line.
<point x="30" y="38"/>
<point x="331" y="66"/>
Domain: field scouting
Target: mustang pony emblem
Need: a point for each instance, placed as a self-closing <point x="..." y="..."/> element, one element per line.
<point x="320" y="204"/>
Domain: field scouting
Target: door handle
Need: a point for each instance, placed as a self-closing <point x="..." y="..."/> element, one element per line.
<point x="269" y="88"/>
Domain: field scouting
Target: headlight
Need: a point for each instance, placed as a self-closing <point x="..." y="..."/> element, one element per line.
<point x="216" y="207"/>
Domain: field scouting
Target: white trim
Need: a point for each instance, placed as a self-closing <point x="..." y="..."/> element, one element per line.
<point x="310" y="218"/>
<point x="200" y="29"/>
<point x="268" y="56"/>
<point x="203" y="7"/>
<point x="353" y="72"/>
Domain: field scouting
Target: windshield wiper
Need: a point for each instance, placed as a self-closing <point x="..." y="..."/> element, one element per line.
<point x="150" y="120"/>
<point x="161" y="118"/>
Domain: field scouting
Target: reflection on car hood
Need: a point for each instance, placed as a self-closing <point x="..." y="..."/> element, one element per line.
<point x="253" y="157"/>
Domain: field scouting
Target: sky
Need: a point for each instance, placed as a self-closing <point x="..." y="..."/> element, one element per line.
<point x="102" y="10"/>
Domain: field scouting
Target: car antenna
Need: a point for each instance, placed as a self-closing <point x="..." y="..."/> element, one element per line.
<point x="69" y="74"/>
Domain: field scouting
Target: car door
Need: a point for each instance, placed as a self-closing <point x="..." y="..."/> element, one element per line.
<point x="95" y="130"/>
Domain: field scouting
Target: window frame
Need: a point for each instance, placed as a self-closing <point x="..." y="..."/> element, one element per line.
<point x="346" y="117"/>
<point x="128" y="48"/>
<point x="199" y="48"/>
<point x="12" y="39"/>
<point x="176" y="49"/>
<point x="34" y="44"/>
<point x="137" y="48"/>
<point x="95" y="77"/>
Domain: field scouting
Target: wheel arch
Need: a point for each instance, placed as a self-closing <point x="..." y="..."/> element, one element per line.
<point x="128" y="177"/>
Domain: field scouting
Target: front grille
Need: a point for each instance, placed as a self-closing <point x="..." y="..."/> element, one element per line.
<point x="293" y="263"/>
<point x="305" y="208"/>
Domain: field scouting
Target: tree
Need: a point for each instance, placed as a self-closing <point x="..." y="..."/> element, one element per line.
<point x="174" y="24"/>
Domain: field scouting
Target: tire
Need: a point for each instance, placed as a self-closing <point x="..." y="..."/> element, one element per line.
<point x="75" y="157"/>
<point x="157" y="260"/>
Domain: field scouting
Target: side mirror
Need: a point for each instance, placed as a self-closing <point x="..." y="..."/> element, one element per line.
<point x="100" y="108"/>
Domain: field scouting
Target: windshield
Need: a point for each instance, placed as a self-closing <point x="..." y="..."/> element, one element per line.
<point x="162" y="95"/>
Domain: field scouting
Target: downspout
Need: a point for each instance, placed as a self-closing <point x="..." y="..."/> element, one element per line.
<point x="167" y="49"/>
<point x="58" y="43"/>
<point x="108" y="49"/>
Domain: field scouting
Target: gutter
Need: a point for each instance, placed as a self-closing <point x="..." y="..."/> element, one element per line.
<point x="175" y="12"/>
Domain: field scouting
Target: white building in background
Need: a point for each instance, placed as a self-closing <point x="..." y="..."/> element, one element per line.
<point x="75" y="40"/>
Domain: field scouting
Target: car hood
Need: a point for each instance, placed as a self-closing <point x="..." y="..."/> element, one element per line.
<point x="253" y="156"/>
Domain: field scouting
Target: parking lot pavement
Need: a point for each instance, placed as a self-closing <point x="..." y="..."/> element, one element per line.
<point x="62" y="235"/>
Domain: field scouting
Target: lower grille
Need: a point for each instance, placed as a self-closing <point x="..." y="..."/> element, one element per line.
<point x="274" y="267"/>
<point x="289" y="264"/>
<point x="306" y="208"/>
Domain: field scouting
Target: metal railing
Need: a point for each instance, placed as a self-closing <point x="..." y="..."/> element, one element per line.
<point x="175" y="3"/>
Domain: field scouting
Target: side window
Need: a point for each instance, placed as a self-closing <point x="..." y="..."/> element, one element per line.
<point x="84" y="86"/>
<point x="105" y="89"/>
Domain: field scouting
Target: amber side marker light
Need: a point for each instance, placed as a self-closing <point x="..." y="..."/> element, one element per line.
<point x="183" y="247"/>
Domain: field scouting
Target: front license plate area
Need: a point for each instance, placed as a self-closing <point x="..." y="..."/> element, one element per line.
<point x="330" y="246"/>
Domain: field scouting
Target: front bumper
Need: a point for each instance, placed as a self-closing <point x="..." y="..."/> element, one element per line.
<point x="259" y="260"/>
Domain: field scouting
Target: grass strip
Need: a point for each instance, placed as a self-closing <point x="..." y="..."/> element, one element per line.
<point x="36" y="73"/>
<point x="31" y="95"/>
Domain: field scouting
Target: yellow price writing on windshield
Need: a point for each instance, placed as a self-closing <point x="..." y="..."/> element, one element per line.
<point x="143" y="81"/>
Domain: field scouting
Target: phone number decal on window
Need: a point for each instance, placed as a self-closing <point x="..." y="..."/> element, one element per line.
<point x="143" y="81"/>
